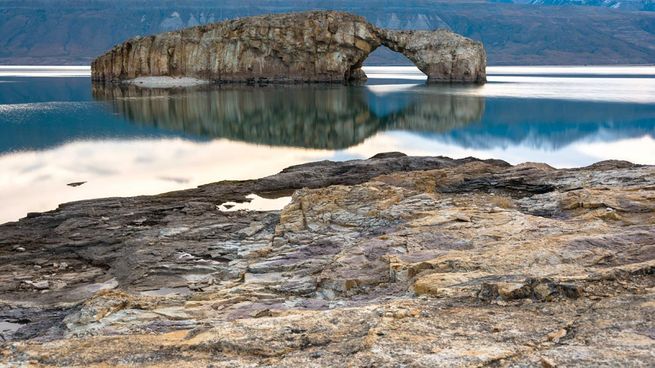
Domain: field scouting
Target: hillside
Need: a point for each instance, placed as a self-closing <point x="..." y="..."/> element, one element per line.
<point x="74" y="32"/>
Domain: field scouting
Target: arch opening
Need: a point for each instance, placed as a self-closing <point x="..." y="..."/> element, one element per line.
<point x="385" y="63"/>
<point x="384" y="56"/>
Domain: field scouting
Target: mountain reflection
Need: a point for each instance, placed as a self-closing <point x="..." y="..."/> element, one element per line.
<point x="551" y="125"/>
<point x="310" y="116"/>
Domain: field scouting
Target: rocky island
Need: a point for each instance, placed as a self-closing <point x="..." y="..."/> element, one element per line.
<point x="385" y="262"/>
<point x="316" y="46"/>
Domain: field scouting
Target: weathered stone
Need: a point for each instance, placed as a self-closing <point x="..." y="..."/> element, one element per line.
<point x="391" y="261"/>
<point x="318" y="46"/>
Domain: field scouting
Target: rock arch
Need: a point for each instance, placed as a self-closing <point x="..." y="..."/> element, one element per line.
<point x="319" y="46"/>
<point x="442" y="55"/>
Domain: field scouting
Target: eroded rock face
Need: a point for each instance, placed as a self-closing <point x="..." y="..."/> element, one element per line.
<point x="391" y="261"/>
<point x="320" y="46"/>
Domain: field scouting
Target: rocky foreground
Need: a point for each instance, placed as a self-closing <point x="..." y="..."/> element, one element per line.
<point x="392" y="261"/>
<point x="316" y="46"/>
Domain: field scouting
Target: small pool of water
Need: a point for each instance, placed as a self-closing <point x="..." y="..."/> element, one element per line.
<point x="256" y="203"/>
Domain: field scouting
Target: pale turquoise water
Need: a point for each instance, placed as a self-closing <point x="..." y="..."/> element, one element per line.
<point x="56" y="128"/>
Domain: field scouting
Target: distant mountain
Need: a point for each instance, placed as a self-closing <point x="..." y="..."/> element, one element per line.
<point x="645" y="5"/>
<point x="514" y="31"/>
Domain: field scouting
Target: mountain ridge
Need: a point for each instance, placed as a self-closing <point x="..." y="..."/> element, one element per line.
<point x="75" y="32"/>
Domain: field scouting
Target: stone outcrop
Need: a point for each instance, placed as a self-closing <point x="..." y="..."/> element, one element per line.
<point x="386" y="262"/>
<point x="319" y="46"/>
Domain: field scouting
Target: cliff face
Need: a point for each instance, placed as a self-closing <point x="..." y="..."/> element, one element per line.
<point x="322" y="46"/>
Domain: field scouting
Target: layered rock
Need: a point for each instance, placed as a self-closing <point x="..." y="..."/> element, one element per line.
<point x="383" y="262"/>
<point x="320" y="46"/>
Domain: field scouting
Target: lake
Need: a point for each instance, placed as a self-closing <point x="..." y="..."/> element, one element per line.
<point x="56" y="128"/>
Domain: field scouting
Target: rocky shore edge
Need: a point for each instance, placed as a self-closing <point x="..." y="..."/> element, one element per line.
<point x="390" y="261"/>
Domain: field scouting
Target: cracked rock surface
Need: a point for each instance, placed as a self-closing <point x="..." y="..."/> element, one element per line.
<point x="386" y="262"/>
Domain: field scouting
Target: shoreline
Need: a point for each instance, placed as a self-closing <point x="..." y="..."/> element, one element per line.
<point x="372" y="71"/>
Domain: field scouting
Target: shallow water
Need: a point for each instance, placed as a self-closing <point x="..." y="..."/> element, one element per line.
<point x="126" y="141"/>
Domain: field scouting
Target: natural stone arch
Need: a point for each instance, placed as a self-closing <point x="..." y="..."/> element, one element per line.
<point x="319" y="46"/>
<point x="442" y="55"/>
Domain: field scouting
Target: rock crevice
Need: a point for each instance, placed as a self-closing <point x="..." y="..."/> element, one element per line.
<point x="319" y="46"/>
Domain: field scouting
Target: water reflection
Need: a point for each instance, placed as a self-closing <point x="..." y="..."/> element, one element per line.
<point x="125" y="141"/>
<point x="551" y="125"/>
<point x="339" y="117"/>
<point x="309" y="116"/>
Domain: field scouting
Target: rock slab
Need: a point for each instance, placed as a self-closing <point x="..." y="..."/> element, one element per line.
<point x="387" y="262"/>
<point x="318" y="46"/>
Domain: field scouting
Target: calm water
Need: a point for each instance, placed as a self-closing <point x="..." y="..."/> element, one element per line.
<point x="57" y="128"/>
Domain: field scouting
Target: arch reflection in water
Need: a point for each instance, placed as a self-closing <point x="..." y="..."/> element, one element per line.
<point x="309" y="116"/>
<point x="338" y="117"/>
